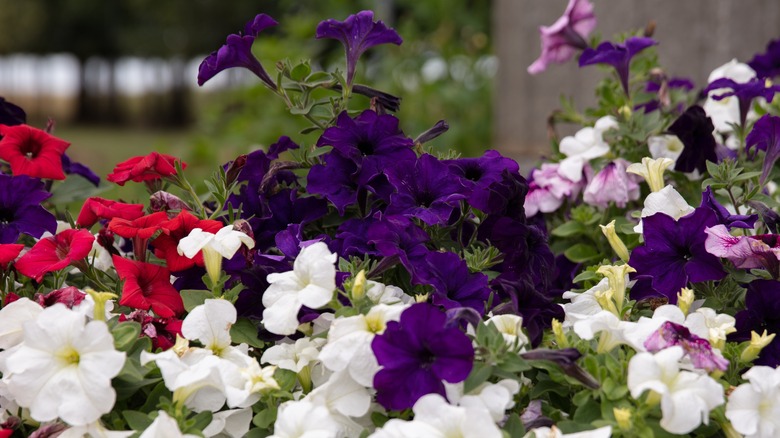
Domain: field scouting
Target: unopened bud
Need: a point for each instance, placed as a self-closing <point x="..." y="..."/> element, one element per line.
<point x="614" y="241"/>
<point x="560" y="336"/>
<point x="623" y="418"/>
<point x="652" y="170"/>
<point x="757" y="343"/>
<point x="359" y="286"/>
<point x="100" y="302"/>
<point x="616" y="275"/>
<point x="684" y="300"/>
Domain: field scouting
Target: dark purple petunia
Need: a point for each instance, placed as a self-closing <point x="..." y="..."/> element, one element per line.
<point x="698" y="349"/>
<point x="351" y="239"/>
<point x="358" y="33"/>
<point x="21" y="210"/>
<point x="767" y="65"/>
<point x="398" y="236"/>
<point x="237" y="52"/>
<point x="335" y="179"/>
<point x="765" y="136"/>
<point x="724" y="216"/>
<point x="694" y="129"/>
<point x="425" y="189"/>
<point x="11" y="114"/>
<point x="519" y="296"/>
<point x="762" y="312"/>
<point x="478" y="175"/>
<point x="70" y="167"/>
<point x="417" y="354"/>
<point x="453" y="284"/>
<point x="745" y="92"/>
<point x="617" y="55"/>
<point x="674" y="253"/>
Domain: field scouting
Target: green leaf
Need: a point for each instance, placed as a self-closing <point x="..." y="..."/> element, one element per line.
<point x="568" y="229"/>
<point x="245" y="332"/>
<point x="137" y="420"/>
<point x="514" y="426"/>
<point x="199" y="422"/>
<point x="588" y="412"/>
<point x="194" y="298"/>
<point x="747" y="175"/>
<point x="75" y="188"/>
<point x="257" y="433"/>
<point x="479" y="375"/>
<point x="300" y="72"/>
<point x="265" y="418"/>
<point x="126" y="388"/>
<point x="581" y="253"/>
<point x="154" y="397"/>
<point x="585" y="276"/>
<point x="125" y="334"/>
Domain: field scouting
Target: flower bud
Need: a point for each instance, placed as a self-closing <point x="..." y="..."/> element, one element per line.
<point x="623" y="418"/>
<point x="359" y="286"/>
<point x="100" y="302"/>
<point x="560" y="337"/>
<point x="614" y="241"/>
<point x="757" y="343"/>
<point x="652" y="171"/>
<point x="684" y="300"/>
<point x="616" y="275"/>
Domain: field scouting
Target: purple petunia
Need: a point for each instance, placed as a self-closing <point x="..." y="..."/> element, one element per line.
<point x="765" y="136"/>
<point x="357" y="33"/>
<point x="417" y="354"/>
<point x="618" y="55"/>
<point x="70" y="167"/>
<point x="478" y="175"/>
<point x="724" y="216"/>
<point x="698" y="349"/>
<point x="454" y="286"/>
<point x="561" y="40"/>
<point x="424" y="190"/>
<point x="745" y="92"/>
<point x="21" y="210"/>
<point x="674" y="253"/>
<point x="762" y="312"/>
<point x="237" y="52"/>
<point x="11" y="114"/>
<point x="694" y="129"/>
<point x="767" y="65"/>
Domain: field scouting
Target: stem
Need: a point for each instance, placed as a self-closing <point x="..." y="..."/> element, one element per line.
<point x="733" y="200"/>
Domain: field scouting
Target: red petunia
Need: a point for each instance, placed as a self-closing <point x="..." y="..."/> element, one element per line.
<point x="8" y="253"/>
<point x="69" y="296"/>
<point x="148" y="286"/>
<point x="165" y="245"/>
<point x="162" y="331"/>
<point x="151" y="167"/>
<point x="96" y="208"/>
<point x="32" y="152"/>
<point x="55" y="253"/>
<point x="143" y="227"/>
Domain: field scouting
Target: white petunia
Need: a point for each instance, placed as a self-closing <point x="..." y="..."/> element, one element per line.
<point x="94" y="430"/>
<point x="708" y="324"/>
<point x="726" y="111"/>
<point x="210" y="324"/>
<point x="342" y="396"/>
<point x="586" y="144"/>
<point x="637" y="333"/>
<point x="233" y="423"/>
<point x="583" y="305"/>
<point x="380" y="293"/>
<point x="164" y="427"/>
<point x="686" y="397"/>
<point x="64" y="367"/>
<point x="495" y="398"/>
<point x="349" y="342"/>
<point x="667" y="201"/>
<point x="311" y="283"/>
<point x="225" y="243"/>
<point x="611" y="330"/>
<point x="754" y="408"/>
<point x="511" y="328"/>
<point x="295" y="356"/>
<point x="665" y="146"/>
<point x="304" y="419"/>
<point x="554" y="432"/>
<point x="194" y="378"/>
<point x="12" y="318"/>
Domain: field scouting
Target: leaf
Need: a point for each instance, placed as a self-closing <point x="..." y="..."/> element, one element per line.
<point x="75" y="188"/>
<point x="479" y="375"/>
<point x="588" y="412"/>
<point x="245" y="332"/>
<point x="568" y="229"/>
<point x="581" y="253"/>
<point x="137" y="420"/>
<point x="265" y="418"/>
<point x="585" y="276"/>
<point x="125" y="334"/>
<point x="514" y="426"/>
<point x="300" y="72"/>
<point x="194" y="298"/>
<point x="199" y="422"/>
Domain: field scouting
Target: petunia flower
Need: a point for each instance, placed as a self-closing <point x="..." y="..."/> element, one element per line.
<point x="162" y="331"/>
<point x="665" y="146"/>
<point x="618" y="55"/>
<point x="296" y="357"/>
<point x="698" y="349"/>
<point x="745" y="252"/>
<point x="303" y="418"/>
<point x="311" y="283"/>
<point x="417" y="354"/>
<point x="147" y="168"/>
<point x="96" y="208"/>
<point x="70" y="167"/>
<point x="667" y="201"/>
<point x="453" y="284"/>
<point x="54" y="253"/>
<point x="147" y="286"/>
<point x="674" y="252"/>
<point x="32" y="152"/>
<point x="652" y="170"/>
<point x="726" y="112"/>
<point x="11" y="114"/>
<point x="61" y="350"/>
<point x="20" y="209"/>
<point x="759" y="323"/>
<point x="164" y="426"/>
<point x="561" y="40"/>
<point x="237" y="52"/>
<point x="8" y="253"/>
<point x="548" y="189"/>
<point x="765" y="136"/>
<point x="686" y="397"/>
<point x="724" y="215"/>
<point x="166" y="243"/>
<point x="611" y="184"/>
<point x="745" y="93"/>
<point x="225" y="243"/>
<point x="754" y="407"/>
<point x="358" y="33"/>
<point x="767" y="65"/>
<point x="694" y="129"/>
<point x="586" y="144"/>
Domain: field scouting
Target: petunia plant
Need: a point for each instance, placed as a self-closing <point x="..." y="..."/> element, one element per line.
<point x="350" y="281"/>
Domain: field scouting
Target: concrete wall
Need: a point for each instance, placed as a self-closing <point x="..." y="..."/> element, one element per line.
<point x="695" y="37"/>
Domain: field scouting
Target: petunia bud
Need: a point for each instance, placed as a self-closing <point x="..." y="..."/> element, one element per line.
<point x="616" y="275"/>
<point x="684" y="300"/>
<point x="359" y="286"/>
<point x="652" y="170"/>
<point x="623" y="418"/>
<point x="100" y="302"/>
<point x="560" y="337"/>
<point x="757" y="343"/>
<point x="614" y="241"/>
<point x="181" y="345"/>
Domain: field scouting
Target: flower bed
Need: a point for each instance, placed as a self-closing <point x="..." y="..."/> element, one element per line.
<point x="364" y="286"/>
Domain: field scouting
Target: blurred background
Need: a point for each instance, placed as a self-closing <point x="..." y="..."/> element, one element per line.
<point x="119" y="76"/>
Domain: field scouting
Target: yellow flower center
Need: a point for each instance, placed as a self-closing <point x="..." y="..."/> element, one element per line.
<point x="375" y="324"/>
<point x="69" y="356"/>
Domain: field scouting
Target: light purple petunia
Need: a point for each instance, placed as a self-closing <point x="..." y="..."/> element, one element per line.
<point x="698" y="349"/>
<point x="357" y="33"/>
<point x="561" y="40"/>
<point x="611" y="184"/>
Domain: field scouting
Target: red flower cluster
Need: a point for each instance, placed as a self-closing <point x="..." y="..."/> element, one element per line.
<point x="55" y="253"/>
<point x="148" y="286"/>
<point x="165" y="245"/>
<point x="95" y="209"/>
<point x="32" y="152"/>
<point x="151" y="167"/>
